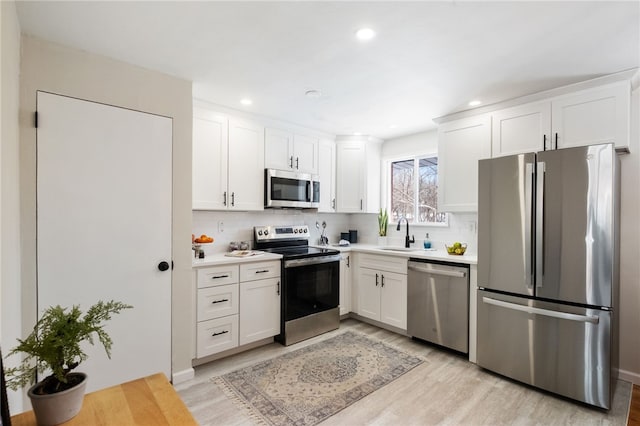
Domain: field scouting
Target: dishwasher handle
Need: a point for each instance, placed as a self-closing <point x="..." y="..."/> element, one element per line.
<point x="446" y="272"/>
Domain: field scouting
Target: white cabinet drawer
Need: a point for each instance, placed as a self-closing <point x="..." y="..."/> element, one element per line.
<point x="218" y="301"/>
<point x="217" y="275"/>
<point x="383" y="263"/>
<point x="259" y="270"/>
<point x="216" y="335"/>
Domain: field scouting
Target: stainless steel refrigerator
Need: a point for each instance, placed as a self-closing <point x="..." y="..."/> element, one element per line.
<point x="548" y="270"/>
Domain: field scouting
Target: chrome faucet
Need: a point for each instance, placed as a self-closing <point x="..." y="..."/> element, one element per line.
<point x="407" y="241"/>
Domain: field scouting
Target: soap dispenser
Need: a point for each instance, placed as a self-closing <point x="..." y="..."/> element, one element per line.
<point x="427" y="242"/>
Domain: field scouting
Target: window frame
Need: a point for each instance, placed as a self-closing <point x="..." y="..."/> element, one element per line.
<point x="388" y="187"/>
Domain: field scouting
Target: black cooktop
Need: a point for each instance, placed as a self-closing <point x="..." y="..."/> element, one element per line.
<point x="293" y="252"/>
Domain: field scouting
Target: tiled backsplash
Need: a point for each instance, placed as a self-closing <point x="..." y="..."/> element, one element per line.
<point x="225" y="227"/>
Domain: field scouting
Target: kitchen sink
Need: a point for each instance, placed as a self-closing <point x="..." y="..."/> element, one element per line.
<point x="399" y="248"/>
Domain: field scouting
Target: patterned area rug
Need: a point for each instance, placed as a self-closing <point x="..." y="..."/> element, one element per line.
<point x="306" y="386"/>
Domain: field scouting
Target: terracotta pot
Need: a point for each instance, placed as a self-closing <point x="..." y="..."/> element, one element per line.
<point x="56" y="408"/>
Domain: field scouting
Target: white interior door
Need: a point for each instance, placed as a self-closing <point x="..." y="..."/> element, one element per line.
<point x="104" y="225"/>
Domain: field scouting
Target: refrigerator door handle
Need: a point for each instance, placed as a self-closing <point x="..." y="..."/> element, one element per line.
<point x="528" y="225"/>
<point x="539" y="225"/>
<point x="538" y="311"/>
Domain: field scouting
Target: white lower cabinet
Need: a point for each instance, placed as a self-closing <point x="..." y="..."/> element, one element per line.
<point x="382" y="293"/>
<point x="236" y="304"/>
<point x="345" y="283"/>
<point x="259" y="309"/>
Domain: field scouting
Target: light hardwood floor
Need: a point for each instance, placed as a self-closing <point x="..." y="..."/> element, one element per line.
<point x="445" y="390"/>
<point x="634" y="409"/>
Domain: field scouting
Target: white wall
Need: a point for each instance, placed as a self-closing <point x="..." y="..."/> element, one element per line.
<point x="462" y="226"/>
<point x="58" y="69"/>
<point x="9" y="186"/>
<point x="629" y="310"/>
<point x="238" y="226"/>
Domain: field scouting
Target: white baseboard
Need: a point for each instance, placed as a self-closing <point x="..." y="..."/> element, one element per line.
<point x="629" y="376"/>
<point x="183" y="376"/>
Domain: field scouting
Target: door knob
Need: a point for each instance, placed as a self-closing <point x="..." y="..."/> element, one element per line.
<point x="163" y="266"/>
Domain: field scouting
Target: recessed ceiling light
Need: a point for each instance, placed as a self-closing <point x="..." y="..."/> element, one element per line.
<point x="357" y="134"/>
<point x="474" y="103"/>
<point x="365" y="34"/>
<point x="246" y="101"/>
<point x="393" y="126"/>
<point x="313" y="94"/>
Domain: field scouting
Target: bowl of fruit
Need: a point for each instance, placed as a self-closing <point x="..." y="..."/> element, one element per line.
<point x="456" y="249"/>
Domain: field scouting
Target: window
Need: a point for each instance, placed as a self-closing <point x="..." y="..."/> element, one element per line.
<point x="414" y="191"/>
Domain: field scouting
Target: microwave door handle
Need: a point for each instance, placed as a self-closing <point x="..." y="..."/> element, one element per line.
<point x="309" y="195"/>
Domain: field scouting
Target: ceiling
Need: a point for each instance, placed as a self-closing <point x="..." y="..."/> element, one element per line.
<point x="428" y="59"/>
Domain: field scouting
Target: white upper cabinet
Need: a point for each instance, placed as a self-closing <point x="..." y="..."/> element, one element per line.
<point x="210" y="144"/>
<point x="587" y="117"/>
<point x="461" y="143"/>
<point x="358" y="176"/>
<point x="285" y="150"/>
<point x="593" y="116"/>
<point x="246" y="165"/>
<point x="327" y="173"/>
<point x="228" y="162"/>
<point x="525" y="128"/>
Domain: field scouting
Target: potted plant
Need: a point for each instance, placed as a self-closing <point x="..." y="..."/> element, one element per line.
<point x="54" y="347"/>
<point x="383" y="221"/>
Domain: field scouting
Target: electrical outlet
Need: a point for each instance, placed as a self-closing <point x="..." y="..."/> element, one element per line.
<point x="221" y="226"/>
<point x="472" y="227"/>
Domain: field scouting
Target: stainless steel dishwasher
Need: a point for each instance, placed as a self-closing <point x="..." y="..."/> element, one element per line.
<point x="438" y="303"/>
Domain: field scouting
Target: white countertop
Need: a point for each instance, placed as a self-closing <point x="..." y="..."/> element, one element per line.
<point x="416" y="252"/>
<point x="442" y="255"/>
<point x="221" y="259"/>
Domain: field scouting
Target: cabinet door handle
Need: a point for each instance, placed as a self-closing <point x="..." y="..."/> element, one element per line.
<point x="333" y="204"/>
<point x="360" y="204"/>
<point x="217" y="334"/>
<point x="348" y="260"/>
<point x="215" y="277"/>
<point x="382" y="285"/>
<point x="219" y="301"/>
<point x="544" y="142"/>
<point x="556" y="140"/>
<point x="278" y="289"/>
<point x="376" y="280"/>
<point x="233" y="199"/>
<point x="291" y="162"/>
<point x="224" y="196"/>
<point x="262" y="271"/>
<point x="297" y="163"/>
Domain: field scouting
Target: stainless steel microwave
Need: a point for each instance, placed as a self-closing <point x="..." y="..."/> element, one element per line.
<point x="284" y="189"/>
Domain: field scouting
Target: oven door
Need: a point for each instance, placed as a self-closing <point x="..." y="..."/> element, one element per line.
<point x="310" y="285"/>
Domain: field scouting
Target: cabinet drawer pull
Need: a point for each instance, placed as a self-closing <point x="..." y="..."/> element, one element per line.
<point x="215" y="277"/>
<point x="219" y="301"/>
<point x="217" y="334"/>
<point x="262" y="271"/>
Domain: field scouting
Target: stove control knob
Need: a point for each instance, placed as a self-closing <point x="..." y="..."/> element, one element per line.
<point x="295" y="230"/>
<point x="266" y="232"/>
<point x="259" y="231"/>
